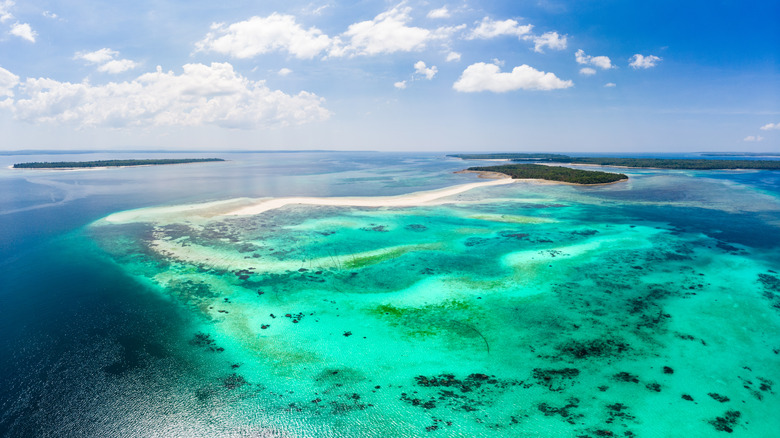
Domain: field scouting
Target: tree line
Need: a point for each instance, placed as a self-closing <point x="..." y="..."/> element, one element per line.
<point x="110" y="163"/>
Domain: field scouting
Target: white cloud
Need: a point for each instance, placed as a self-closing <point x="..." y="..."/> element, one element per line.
<point x="421" y="69"/>
<point x="551" y="40"/>
<point x="488" y="29"/>
<point x="24" y="31"/>
<point x="581" y="57"/>
<point x="770" y="126"/>
<point x="8" y="81"/>
<point x="259" y="35"/>
<point x="442" y="12"/>
<point x="313" y="9"/>
<point x="388" y="32"/>
<point x="116" y="66"/>
<point x="488" y="77"/>
<point x="50" y="14"/>
<point x="400" y="85"/>
<point x="98" y="56"/>
<point x="202" y="95"/>
<point x="5" y="10"/>
<point x="284" y="71"/>
<point x="610" y="85"/>
<point x="601" y="62"/>
<point x="641" y="61"/>
<point x="753" y="138"/>
<point x="105" y="57"/>
<point x="453" y="56"/>
<point x="587" y="71"/>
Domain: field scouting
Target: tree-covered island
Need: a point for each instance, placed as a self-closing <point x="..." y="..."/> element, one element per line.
<point x="111" y="163"/>
<point x="658" y="163"/>
<point x="553" y="173"/>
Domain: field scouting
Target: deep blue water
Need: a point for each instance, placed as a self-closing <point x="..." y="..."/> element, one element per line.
<point x="72" y="323"/>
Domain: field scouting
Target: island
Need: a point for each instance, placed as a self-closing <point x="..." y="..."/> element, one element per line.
<point x="553" y="173"/>
<point x="740" y="154"/>
<point x="111" y="163"/>
<point x="510" y="156"/>
<point x="657" y="163"/>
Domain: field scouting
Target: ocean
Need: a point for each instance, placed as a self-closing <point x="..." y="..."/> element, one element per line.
<point x="643" y="308"/>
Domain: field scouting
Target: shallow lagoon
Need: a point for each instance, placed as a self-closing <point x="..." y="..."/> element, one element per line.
<point x="646" y="308"/>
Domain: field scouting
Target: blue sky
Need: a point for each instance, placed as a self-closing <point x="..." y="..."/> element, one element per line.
<point x="541" y="75"/>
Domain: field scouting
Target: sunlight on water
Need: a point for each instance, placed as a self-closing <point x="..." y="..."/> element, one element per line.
<point x="519" y="310"/>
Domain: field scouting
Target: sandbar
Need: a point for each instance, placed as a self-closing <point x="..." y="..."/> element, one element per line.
<point x="408" y="200"/>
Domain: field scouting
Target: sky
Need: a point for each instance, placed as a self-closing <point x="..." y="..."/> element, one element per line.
<point x="516" y="75"/>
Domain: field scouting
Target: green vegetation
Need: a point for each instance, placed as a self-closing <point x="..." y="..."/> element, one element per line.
<point x="111" y="163"/>
<point x="741" y="154"/>
<point x="660" y="163"/>
<point x="664" y="163"/>
<point x="553" y="173"/>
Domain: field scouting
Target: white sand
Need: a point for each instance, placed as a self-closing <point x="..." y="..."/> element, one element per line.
<point x="175" y="213"/>
<point x="409" y="200"/>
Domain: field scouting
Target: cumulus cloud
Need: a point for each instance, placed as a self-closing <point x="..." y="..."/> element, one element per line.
<point x="587" y="71"/>
<point x="105" y="57"/>
<point x="50" y="14"/>
<point x="442" y="12"/>
<point x="259" y="35"/>
<point x="21" y="30"/>
<point x="388" y="32"/>
<point x="753" y="138"/>
<point x="400" y="85"/>
<point x="550" y="40"/>
<point x="421" y="69"/>
<point x="488" y="77"/>
<point x="24" y="31"/>
<point x="201" y="95"/>
<point x="601" y="62"/>
<point x="487" y="29"/>
<point x="116" y="66"/>
<point x="770" y="126"/>
<point x="284" y="71"/>
<point x="640" y="61"/>
<point x="610" y="85"/>
<point x="8" y="81"/>
<point x="453" y="57"/>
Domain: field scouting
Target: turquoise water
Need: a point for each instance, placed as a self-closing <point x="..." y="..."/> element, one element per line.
<point x="646" y="308"/>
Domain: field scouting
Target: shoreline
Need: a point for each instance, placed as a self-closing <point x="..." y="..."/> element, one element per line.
<point x="650" y="168"/>
<point x="485" y="174"/>
<point x="247" y="206"/>
<point x="499" y="175"/>
<point x="103" y="167"/>
<point x="414" y="199"/>
<point x="561" y="163"/>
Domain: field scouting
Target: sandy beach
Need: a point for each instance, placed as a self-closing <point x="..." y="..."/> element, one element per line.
<point x="248" y="206"/>
<point x="409" y="200"/>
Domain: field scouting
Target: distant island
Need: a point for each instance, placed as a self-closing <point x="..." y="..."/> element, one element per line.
<point x="111" y="163"/>
<point x="741" y="154"/>
<point x="659" y="163"/>
<point x="552" y="173"/>
<point x="510" y="156"/>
